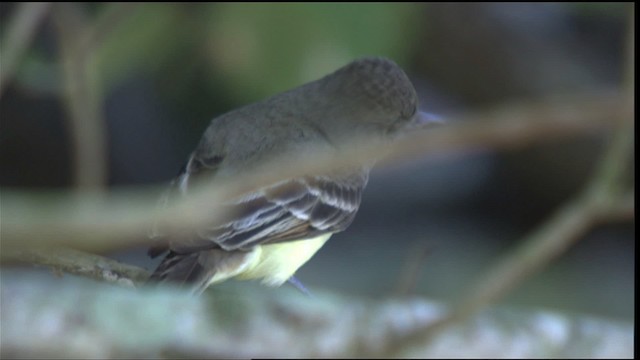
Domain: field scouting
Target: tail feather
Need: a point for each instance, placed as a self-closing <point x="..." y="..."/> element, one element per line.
<point x="184" y="270"/>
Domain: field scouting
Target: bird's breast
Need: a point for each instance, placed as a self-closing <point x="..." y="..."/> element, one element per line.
<point x="276" y="263"/>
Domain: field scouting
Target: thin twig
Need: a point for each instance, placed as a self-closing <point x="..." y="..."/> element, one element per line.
<point x="621" y="210"/>
<point x="84" y="104"/>
<point x="83" y="264"/>
<point x="413" y="266"/>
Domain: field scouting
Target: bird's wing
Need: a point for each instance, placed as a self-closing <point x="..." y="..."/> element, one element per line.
<point x="196" y="166"/>
<point x="294" y="209"/>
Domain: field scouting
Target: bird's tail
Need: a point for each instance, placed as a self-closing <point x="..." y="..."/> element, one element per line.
<point x="183" y="270"/>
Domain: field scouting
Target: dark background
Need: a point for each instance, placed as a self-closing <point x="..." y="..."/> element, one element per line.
<point x="166" y="70"/>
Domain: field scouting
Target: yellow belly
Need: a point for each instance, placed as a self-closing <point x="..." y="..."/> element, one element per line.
<point x="276" y="263"/>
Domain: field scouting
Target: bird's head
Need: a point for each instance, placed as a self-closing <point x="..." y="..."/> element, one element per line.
<point x="371" y="96"/>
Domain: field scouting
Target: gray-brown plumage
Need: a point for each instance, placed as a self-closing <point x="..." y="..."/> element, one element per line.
<point x="271" y="232"/>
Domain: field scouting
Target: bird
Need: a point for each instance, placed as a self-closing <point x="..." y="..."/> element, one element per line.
<point x="269" y="233"/>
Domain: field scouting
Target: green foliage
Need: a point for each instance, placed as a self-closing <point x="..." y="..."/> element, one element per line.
<point x="237" y="51"/>
<point x="264" y="48"/>
<point x="143" y="41"/>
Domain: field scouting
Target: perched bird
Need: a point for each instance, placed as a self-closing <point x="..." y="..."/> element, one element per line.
<point x="268" y="234"/>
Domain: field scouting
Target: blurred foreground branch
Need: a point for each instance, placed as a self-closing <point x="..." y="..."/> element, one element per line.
<point x="335" y="327"/>
<point x="122" y="219"/>
<point x="77" y="319"/>
<point x="98" y="223"/>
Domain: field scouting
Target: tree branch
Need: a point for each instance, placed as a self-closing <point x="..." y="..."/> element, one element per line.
<point x="81" y="94"/>
<point x="76" y="319"/>
<point x="82" y="263"/>
<point x="98" y="223"/>
<point x="601" y="199"/>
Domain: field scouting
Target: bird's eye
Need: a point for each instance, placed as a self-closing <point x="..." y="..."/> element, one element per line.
<point x="410" y="113"/>
<point x="197" y="163"/>
<point x="212" y="161"/>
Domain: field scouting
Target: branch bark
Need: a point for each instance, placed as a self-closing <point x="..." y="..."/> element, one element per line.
<point x="83" y="264"/>
<point x="79" y="319"/>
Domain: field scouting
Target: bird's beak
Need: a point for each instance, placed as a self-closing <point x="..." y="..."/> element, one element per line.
<point x="424" y="120"/>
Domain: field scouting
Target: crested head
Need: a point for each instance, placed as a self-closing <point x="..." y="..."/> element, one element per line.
<point x="370" y="97"/>
<point x="381" y="81"/>
<point x="375" y="93"/>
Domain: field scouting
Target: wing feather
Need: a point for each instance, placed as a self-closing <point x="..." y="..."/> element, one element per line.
<point x="289" y="210"/>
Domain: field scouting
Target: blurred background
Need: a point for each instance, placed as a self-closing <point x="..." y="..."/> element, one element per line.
<point x="163" y="71"/>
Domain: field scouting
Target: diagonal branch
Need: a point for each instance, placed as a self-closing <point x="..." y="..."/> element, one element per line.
<point x="601" y="199"/>
<point x="83" y="264"/>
